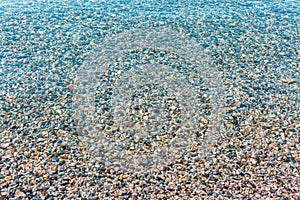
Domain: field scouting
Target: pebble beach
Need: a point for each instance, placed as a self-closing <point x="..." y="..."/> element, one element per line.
<point x="248" y="99"/>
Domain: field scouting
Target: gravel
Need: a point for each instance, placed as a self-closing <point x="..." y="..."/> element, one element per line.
<point x="253" y="44"/>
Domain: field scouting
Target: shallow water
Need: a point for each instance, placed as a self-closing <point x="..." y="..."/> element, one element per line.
<point x="48" y="47"/>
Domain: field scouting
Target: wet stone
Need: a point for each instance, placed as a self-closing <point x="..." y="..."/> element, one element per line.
<point x="252" y="45"/>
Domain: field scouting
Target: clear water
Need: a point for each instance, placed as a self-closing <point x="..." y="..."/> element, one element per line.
<point x="48" y="47"/>
<point x="177" y="65"/>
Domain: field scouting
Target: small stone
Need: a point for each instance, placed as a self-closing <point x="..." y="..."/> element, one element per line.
<point x="59" y="111"/>
<point x="5" y="145"/>
<point x="26" y="153"/>
<point x="19" y="193"/>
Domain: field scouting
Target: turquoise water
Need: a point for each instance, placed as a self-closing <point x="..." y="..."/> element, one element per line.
<point x="43" y="43"/>
<point x="254" y="54"/>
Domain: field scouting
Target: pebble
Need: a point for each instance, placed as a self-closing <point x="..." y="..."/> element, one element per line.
<point x="20" y="193"/>
<point x="5" y="145"/>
